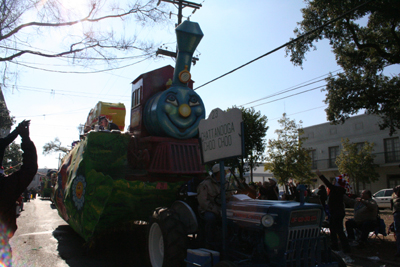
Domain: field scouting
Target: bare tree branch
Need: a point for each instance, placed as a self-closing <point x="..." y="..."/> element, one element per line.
<point x="17" y="35"/>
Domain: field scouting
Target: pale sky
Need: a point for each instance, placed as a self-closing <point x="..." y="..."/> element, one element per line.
<point x="235" y="32"/>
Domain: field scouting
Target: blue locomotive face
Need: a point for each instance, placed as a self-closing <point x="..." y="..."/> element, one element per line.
<point x="175" y="113"/>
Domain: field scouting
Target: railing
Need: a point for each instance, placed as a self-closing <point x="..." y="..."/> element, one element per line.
<point x="380" y="158"/>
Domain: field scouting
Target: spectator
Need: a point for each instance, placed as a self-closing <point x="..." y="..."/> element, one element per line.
<point x="263" y="190"/>
<point x="272" y="192"/>
<point x="19" y="205"/>
<point x="33" y="192"/>
<point x="285" y="196"/>
<point x="322" y="194"/>
<point x="27" y="195"/>
<point x="11" y="188"/>
<point x="307" y="194"/>
<point x="323" y="197"/>
<point x="294" y="194"/>
<point x="365" y="216"/>
<point x="396" y="218"/>
<point x="106" y="125"/>
<point x="208" y="196"/>
<point x="337" y="212"/>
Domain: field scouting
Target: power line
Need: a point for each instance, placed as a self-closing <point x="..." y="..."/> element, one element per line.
<point x="56" y="91"/>
<point x="286" y="44"/>
<point x="78" y="72"/>
<point x="302" y="92"/>
<point x="282" y="92"/>
<point x="66" y="94"/>
<point x="301" y="111"/>
<point x="52" y="114"/>
<point x="292" y="88"/>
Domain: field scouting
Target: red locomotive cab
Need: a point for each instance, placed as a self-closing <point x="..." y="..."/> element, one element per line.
<point x="158" y="154"/>
<point x="143" y="88"/>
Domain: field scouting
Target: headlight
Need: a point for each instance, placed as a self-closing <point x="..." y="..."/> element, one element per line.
<point x="267" y="220"/>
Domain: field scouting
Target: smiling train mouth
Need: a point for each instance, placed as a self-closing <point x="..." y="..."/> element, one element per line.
<point x="182" y="130"/>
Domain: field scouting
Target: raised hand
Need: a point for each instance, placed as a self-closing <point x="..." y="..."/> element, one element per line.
<point x="23" y="128"/>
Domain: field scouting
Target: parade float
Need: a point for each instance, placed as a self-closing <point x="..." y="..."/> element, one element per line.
<point x="110" y="180"/>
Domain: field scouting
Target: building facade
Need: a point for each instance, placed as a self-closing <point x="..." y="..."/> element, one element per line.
<point x="324" y="140"/>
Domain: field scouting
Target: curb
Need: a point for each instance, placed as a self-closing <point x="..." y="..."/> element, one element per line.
<point x="395" y="263"/>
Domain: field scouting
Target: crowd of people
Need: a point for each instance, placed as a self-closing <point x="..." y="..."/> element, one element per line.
<point x="332" y="196"/>
<point x="366" y="216"/>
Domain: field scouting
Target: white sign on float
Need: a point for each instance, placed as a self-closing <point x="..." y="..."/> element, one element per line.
<point x="221" y="135"/>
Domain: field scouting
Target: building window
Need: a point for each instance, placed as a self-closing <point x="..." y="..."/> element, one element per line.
<point x="358" y="126"/>
<point x="360" y="146"/>
<point x="392" y="149"/>
<point x="313" y="156"/>
<point x="136" y="97"/>
<point x="393" y="180"/>
<point x="333" y="153"/>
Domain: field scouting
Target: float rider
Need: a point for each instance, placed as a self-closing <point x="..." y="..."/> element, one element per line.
<point x="208" y="196"/>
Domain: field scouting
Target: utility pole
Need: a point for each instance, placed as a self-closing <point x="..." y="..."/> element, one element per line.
<point x="181" y="5"/>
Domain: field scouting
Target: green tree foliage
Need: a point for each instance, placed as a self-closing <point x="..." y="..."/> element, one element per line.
<point x="12" y="158"/>
<point x="54" y="146"/>
<point x="358" y="162"/>
<point x="12" y="154"/>
<point x="6" y="121"/>
<point x="365" y="43"/>
<point x="255" y="130"/>
<point x="287" y="158"/>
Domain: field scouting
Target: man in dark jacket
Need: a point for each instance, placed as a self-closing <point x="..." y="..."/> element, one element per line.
<point x="337" y="210"/>
<point x="11" y="187"/>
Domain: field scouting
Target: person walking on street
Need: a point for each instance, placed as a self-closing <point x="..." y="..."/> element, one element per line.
<point x="11" y="188"/>
<point x="27" y="195"/>
<point x="337" y="212"/>
<point x="396" y="218"/>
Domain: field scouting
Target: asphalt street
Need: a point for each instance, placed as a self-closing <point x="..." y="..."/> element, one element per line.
<point x="43" y="239"/>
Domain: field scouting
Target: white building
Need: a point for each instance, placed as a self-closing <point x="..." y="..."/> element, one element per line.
<point x="259" y="175"/>
<point x="325" y="142"/>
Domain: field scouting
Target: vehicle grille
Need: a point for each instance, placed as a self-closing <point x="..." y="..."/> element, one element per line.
<point x="305" y="247"/>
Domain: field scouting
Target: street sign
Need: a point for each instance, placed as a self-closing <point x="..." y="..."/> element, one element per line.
<point x="221" y="135"/>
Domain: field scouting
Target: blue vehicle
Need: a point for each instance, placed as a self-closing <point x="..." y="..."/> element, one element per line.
<point x="260" y="233"/>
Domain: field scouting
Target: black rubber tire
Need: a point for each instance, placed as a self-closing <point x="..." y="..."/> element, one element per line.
<point x="338" y="259"/>
<point x="225" y="264"/>
<point x="172" y="249"/>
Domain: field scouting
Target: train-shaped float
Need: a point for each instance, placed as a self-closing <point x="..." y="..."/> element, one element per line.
<point x="112" y="179"/>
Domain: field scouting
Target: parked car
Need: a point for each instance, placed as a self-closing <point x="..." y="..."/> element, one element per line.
<point x="383" y="197"/>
